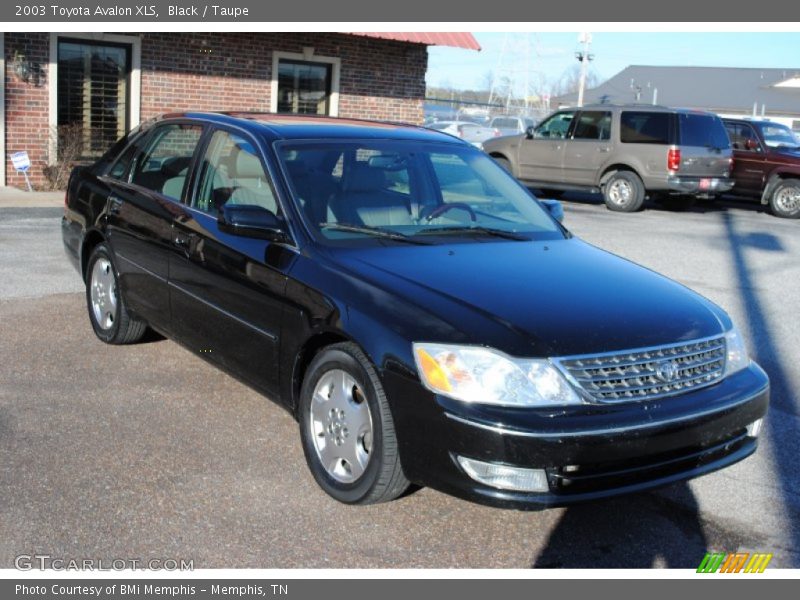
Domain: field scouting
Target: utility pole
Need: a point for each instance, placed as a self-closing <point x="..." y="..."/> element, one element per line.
<point x="584" y="57"/>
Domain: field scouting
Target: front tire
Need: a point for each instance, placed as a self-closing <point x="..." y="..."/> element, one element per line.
<point x="505" y="163"/>
<point x="347" y="428"/>
<point x="107" y="311"/>
<point x="624" y="192"/>
<point x="785" y="199"/>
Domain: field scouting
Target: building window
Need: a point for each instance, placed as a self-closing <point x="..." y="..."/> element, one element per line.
<point x="304" y="87"/>
<point x="93" y="94"/>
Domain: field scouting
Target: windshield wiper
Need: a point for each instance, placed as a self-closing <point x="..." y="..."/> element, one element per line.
<point x="373" y="231"/>
<point x="501" y="233"/>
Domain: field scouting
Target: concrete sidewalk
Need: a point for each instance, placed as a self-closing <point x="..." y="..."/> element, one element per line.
<point x="11" y="197"/>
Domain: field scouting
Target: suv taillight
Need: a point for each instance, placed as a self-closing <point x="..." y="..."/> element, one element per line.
<point x="673" y="159"/>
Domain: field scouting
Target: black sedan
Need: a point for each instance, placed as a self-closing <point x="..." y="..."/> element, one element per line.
<point x="420" y="313"/>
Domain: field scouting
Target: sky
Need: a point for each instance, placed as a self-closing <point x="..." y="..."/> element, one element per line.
<point x="551" y="54"/>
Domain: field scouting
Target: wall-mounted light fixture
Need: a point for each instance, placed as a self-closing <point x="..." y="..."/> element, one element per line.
<point x="22" y="67"/>
<point x="26" y="70"/>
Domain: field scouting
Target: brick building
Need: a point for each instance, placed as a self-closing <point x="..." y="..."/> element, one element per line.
<point x="98" y="85"/>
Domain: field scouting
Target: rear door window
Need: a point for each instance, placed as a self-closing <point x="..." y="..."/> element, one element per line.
<point x="593" y="125"/>
<point x="643" y="127"/>
<point x="164" y="165"/>
<point x="704" y="131"/>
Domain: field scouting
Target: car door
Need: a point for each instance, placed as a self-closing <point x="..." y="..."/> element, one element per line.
<point x="141" y="207"/>
<point x="588" y="148"/>
<point x="749" y="159"/>
<point x="541" y="157"/>
<point x="226" y="291"/>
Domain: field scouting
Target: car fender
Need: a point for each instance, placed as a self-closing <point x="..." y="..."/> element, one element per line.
<point x="775" y="177"/>
<point x="611" y="167"/>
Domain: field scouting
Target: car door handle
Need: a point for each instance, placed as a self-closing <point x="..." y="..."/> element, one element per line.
<point x="604" y="149"/>
<point x="114" y="204"/>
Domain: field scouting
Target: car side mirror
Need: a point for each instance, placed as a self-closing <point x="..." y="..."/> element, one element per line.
<point x="529" y="132"/>
<point x="555" y="208"/>
<point x="750" y="144"/>
<point x="248" y="220"/>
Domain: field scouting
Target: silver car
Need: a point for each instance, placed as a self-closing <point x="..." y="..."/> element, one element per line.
<point x="466" y="130"/>
<point x="626" y="152"/>
<point x="511" y="125"/>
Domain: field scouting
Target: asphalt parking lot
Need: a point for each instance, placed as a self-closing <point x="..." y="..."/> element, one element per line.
<point x="146" y="451"/>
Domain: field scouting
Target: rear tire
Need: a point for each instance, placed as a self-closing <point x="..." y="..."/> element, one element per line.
<point x="108" y="314"/>
<point x="785" y="199"/>
<point x="624" y="192"/>
<point x="347" y="429"/>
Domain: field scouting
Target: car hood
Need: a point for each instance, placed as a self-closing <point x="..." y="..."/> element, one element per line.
<point x="791" y="154"/>
<point x="553" y="298"/>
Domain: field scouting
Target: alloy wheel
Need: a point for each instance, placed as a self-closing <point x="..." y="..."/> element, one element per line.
<point x="340" y="424"/>
<point x="103" y="293"/>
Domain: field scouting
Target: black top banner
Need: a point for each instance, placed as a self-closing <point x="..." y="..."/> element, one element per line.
<point x="497" y="11"/>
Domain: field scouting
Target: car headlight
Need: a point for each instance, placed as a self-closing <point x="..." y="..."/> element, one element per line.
<point x="736" y="357"/>
<point x="486" y="376"/>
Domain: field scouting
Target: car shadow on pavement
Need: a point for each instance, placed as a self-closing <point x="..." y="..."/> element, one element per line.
<point x="150" y="336"/>
<point x="638" y="531"/>
<point x="719" y="205"/>
<point x="784" y="438"/>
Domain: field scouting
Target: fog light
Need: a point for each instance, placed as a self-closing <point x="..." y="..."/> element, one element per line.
<point x="505" y="477"/>
<point x="754" y="428"/>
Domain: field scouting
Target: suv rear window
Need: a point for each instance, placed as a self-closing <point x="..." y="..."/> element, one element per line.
<point x="705" y="131"/>
<point x="639" y="127"/>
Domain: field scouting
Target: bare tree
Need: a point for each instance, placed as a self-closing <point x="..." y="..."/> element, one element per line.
<point x="569" y="82"/>
<point x="68" y="141"/>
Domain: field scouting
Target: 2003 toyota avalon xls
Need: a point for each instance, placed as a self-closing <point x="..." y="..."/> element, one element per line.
<point x="423" y="316"/>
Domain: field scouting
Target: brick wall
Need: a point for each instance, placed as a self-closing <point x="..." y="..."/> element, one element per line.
<point x="27" y="105"/>
<point x="380" y="79"/>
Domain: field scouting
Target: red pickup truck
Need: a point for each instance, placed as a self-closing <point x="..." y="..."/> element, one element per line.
<point x="766" y="164"/>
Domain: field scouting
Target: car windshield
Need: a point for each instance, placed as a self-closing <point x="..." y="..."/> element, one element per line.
<point x="351" y="191"/>
<point x="776" y="135"/>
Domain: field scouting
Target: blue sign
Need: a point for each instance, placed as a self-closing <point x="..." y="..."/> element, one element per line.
<point x="21" y="161"/>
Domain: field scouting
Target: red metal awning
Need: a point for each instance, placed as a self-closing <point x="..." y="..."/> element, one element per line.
<point x="455" y="39"/>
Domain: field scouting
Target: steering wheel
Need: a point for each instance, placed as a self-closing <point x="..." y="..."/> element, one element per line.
<point x="440" y="210"/>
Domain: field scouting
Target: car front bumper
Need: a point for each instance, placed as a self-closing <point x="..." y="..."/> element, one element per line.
<point x="699" y="186"/>
<point x="587" y="452"/>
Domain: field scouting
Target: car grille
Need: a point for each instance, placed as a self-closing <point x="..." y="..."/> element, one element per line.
<point x="650" y="372"/>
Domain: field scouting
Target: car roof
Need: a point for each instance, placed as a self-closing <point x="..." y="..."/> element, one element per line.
<point x="640" y="107"/>
<point x="752" y="121"/>
<point x="302" y="127"/>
